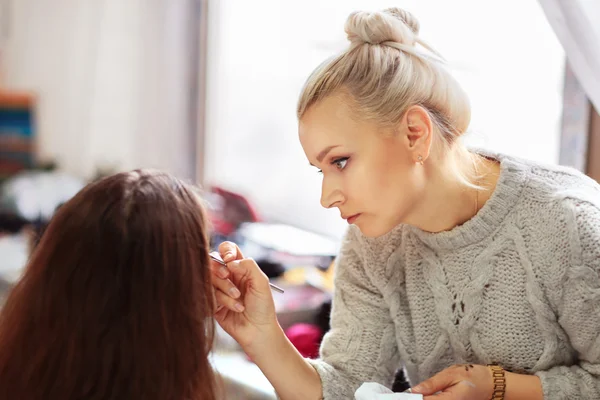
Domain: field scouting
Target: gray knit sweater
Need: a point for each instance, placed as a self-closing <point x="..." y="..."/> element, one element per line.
<point x="518" y="285"/>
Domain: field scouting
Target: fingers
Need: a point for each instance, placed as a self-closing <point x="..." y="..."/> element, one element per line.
<point x="218" y="269"/>
<point x="436" y="383"/>
<point x="239" y="274"/>
<point x="247" y="270"/>
<point x="226" y="293"/>
<point x="226" y="286"/>
<point x="221" y="313"/>
<point x="228" y="302"/>
<point x="460" y="391"/>
<point x="229" y="251"/>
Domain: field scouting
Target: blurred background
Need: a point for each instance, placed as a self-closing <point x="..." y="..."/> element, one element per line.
<point x="206" y="89"/>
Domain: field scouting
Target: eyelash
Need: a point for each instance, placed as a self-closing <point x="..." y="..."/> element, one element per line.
<point x="337" y="162"/>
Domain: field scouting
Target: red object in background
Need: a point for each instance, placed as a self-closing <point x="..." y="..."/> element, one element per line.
<point x="306" y="338"/>
<point x="234" y="209"/>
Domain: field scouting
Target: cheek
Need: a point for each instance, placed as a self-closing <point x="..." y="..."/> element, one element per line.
<point x="363" y="185"/>
<point x="391" y="172"/>
<point x="394" y="183"/>
<point x="371" y="184"/>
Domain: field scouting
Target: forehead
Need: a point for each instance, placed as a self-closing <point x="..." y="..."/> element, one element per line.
<point x="331" y="121"/>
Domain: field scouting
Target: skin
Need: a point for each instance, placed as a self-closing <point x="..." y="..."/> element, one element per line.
<point x="373" y="176"/>
<point x="374" y="171"/>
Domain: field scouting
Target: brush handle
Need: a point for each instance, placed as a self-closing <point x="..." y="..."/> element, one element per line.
<point x="273" y="287"/>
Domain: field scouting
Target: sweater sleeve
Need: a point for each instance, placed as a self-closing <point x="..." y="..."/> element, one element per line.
<point x="361" y="345"/>
<point x="578" y="309"/>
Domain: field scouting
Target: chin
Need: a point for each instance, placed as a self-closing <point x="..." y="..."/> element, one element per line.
<point x="372" y="230"/>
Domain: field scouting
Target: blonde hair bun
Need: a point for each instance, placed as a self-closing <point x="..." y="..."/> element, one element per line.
<point x="390" y="25"/>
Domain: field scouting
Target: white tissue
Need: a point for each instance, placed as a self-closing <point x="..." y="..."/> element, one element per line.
<point x="375" y="391"/>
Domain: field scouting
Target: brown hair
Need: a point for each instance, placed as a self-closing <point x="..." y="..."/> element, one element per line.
<point x="116" y="301"/>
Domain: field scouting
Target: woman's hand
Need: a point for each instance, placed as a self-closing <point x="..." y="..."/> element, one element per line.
<point x="255" y="326"/>
<point x="245" y="307"/>
<point x="459" y="382"/>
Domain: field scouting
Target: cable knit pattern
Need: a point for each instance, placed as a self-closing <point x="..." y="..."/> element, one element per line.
<point x="518" y="284"/>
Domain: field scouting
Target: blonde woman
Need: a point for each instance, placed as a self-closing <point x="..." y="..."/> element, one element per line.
<point x="478" y="273"/>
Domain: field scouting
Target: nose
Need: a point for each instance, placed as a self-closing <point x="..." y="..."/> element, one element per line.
<point x="331" y="195"/>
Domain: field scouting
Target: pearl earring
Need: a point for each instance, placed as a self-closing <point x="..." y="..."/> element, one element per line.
<point x="420" y="160"/>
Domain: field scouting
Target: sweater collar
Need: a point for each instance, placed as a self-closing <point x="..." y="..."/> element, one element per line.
<point x="513" y="175"/>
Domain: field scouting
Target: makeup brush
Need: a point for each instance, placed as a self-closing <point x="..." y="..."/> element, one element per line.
<point x="274" y="287"/>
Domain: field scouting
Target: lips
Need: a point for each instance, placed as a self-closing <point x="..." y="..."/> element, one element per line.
<point x="350" y="219"/>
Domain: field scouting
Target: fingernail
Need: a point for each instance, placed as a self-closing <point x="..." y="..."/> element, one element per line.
<point x="228" y="257"/>
<point x="239" y="307"/>
<point x="416" y="389"/>
<point x="234" y="292"/>
<point x="223" y="272"/>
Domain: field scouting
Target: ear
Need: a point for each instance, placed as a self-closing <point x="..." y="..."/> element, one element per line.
<point x="418" y="131"/>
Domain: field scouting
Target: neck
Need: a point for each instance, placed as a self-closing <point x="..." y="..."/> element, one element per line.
<point x="447" y="202"/>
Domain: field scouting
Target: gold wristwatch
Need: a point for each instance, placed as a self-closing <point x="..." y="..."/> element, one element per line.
<point x="499" y="382"/>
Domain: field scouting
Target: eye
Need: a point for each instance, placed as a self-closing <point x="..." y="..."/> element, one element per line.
<point x="340" y="163"/>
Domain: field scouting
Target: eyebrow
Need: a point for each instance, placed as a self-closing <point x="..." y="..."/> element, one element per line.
<point x="324" y="152"/>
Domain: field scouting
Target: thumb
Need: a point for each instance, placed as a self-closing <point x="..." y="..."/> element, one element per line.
<point x="436" y="383"/>
<point x="230" y="251"/>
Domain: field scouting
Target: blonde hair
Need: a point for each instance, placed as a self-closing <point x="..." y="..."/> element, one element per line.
<point x="385" y="73"/>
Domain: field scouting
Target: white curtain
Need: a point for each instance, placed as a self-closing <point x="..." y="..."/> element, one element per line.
<point x="577" y="26"/>
<point x="115" y="79"/>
